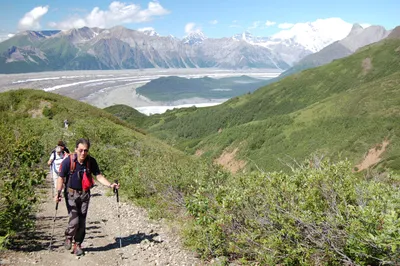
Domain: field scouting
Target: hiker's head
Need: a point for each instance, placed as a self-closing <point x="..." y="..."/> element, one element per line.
<point x="82" y="148"/>
<point x="61" y="144"/>
<point x="58" y="149"/>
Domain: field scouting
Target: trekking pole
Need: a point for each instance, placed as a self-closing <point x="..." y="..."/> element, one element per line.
<point x="119" y="220"/>
<point x="54" y="220"/>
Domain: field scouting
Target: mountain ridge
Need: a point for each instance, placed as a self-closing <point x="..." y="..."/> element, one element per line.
<point x="155" y="51"/>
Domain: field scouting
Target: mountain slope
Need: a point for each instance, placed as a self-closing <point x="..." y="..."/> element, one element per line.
<point x="357" y="38"/>
<point x="344" y="107"/>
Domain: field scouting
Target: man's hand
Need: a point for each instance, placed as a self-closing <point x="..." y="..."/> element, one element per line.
<point x="114" y="186"/>
<point x="58" y="197"/>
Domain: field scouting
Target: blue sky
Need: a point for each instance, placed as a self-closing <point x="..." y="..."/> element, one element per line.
<point x="216" y="19"/>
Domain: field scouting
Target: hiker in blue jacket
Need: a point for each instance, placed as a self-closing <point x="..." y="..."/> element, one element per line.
<point x="75" y="173"/>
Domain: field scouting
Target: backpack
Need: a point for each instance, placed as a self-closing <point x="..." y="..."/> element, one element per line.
<point x="87" y="179"/>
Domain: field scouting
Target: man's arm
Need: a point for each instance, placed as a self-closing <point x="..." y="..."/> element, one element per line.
<point x="51" y="159"/>
<point x="101" y="178"/>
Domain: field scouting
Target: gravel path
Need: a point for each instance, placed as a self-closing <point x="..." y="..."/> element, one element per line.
<point x="144" y="242"/>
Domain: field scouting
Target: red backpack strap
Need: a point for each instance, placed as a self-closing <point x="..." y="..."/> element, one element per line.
<point x="72" y="164"/>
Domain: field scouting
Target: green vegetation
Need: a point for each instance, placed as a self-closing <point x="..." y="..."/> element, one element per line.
<point x="176" y="88"/>
<point x="340" y="109"/>
<point x="153" y="174"/>
<point x="127" y="114"/>
<point x="319" y="214"/>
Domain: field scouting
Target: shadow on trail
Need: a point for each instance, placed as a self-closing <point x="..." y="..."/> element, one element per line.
<point x="39" y="238"/>
<point x="126" y="241"/>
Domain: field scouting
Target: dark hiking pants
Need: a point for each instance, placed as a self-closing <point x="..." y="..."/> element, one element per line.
<point x="66" y="200"/>
<point x="78" y="203"/>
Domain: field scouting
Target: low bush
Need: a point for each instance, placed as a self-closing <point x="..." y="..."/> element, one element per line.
<point x="317" y="214"/>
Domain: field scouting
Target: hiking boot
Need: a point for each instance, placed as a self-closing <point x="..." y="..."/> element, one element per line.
<point x="68" y="244"/>
<point x="78" y="250"/>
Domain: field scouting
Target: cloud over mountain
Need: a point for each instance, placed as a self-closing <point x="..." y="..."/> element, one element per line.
<point x="32" y="18"/>
<point x="118" y="13"/>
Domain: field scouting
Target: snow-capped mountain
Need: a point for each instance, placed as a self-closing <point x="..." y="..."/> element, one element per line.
<point x="194" y="37"/>
<point x="122" y="48"/>
<point x="248" y="37"/>
<point x="150" y="32"/>
<point x="316" y="35"/>
<point x="302" y="39"/>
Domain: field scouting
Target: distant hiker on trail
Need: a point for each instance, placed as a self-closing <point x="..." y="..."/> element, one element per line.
<point x="76" y="174"/>
<point x="66" y="123"/>
<point x="54" y="162"/>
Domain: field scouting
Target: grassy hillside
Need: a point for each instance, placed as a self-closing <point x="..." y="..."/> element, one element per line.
<point x="320" y="213"/>
<point x="127" y="114"/>
<point x="340" y="109"/>
<point x="153" y="174"/>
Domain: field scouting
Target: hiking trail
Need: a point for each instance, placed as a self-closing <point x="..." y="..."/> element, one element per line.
<point x="144" y="241"/>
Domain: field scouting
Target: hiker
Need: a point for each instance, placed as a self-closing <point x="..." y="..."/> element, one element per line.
<point x="63" y="146"/>
<point x="66" y="123"/>
<point x="75" y="170"/>
<point x="54" y="162"/>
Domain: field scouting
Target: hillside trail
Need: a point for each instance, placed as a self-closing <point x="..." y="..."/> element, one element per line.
<point x="144" y="241"/>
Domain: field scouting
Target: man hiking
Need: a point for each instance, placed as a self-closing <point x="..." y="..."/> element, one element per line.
<point x="54" y="162"/>
<point x="76" y="174"/>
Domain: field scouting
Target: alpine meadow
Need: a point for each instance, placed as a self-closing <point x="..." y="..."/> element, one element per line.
<point x="304" y="170"/>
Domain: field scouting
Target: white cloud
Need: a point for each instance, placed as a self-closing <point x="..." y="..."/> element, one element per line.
<point x="4" y="36"/>
<point x="118" y="13"/>
<point x="191" y="27"/>
<point x="213" y="22"/>
<point x="146" y="29"/>
<point x="30" y="21"/>
<point x="285" y="25"/>
<point x="269" y="23"/>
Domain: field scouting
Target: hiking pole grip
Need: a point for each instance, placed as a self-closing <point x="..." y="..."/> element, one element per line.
<point x="116" y="189"/>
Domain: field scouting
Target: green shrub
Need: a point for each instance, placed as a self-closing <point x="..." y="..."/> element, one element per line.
<point x="312" y="216"/>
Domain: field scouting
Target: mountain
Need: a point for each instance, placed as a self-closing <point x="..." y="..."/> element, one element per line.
<point x="122" y="48"/>
<point x="357" y="38"/>
<point x="195" y="37"/>
<point x="344" y="107"/>
<point x="395" y="33"/>
<point x="302" y="39"/>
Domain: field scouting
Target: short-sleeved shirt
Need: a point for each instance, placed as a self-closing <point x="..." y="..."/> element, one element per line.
<point x="76" y="178"/>
<point x="57" y="159"/>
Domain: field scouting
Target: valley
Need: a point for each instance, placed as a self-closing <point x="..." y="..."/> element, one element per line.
<point x="103" y="88"/>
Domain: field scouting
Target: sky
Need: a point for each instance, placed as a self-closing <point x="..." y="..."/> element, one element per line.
<point x="216" y="19"/>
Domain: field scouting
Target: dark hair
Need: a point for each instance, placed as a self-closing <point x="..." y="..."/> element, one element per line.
<point x="83" y="141"/>
<point x="61" y="143"/>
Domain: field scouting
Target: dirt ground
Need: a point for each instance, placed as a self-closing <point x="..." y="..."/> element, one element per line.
<point x="143" y="241"/>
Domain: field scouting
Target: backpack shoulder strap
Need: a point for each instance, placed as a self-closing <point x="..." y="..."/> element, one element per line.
<point x="72" y="164"/>
<point x="88" y="164"/>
